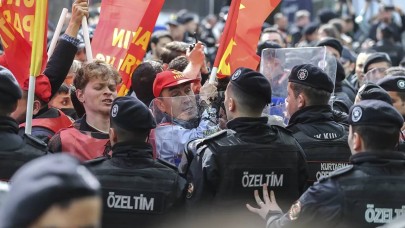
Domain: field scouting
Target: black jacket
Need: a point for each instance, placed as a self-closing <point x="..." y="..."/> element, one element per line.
<point x="15" y="150"/>
<point x="149" y="190"/>
<point x="349" y="90"/>
<point x="324" y="141"/>
<point x="342" y="102"/>
<point x="228" y="165"/>
<point x="59" y="64"/>
<point x="367" y="193"/>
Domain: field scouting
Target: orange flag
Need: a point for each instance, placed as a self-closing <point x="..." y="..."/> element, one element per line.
<point x="242" y="30"/>
<point x="17" y="34"/>
<point x="123" y="34"/>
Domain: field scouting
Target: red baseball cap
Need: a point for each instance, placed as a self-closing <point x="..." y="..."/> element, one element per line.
<point x="167" y="79"/>
<point x="42" y="87"/>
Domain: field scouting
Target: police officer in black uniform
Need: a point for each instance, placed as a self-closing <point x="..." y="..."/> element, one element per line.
<point x="311" y="120"/>
<point x="367" y="193"/>
<point x="344" y="91"/>
<point x="371" y="91"/>
<point x="395" y="87"/>
<point x="229" y="164"/>
<point x="138" y="190"/>
<point x="14" y="149"/>
<point x="341" y="101"/>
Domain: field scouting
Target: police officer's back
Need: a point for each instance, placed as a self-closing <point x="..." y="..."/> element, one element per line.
<point x="395" y="87"/>
<point x="137" y="189"/>
<point x="228" y="165"/>
<point x="14" y="149"/>
<point x="367" y="193"/>
<point x="311" y="120"/>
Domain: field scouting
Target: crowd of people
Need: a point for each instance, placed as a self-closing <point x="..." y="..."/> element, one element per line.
<point x="300" y="141"/>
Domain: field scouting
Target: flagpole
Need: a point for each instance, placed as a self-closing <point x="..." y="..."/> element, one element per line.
<point x="36" y="58"/>
<point x="86" y="36"/>
<point x="213" y="75"/>
<point x="57" y="32"/>
<point x="30" y="105"/>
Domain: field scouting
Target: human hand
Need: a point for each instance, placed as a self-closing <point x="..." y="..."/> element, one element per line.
<point x="80" y="8"/>
<point x="208" y="92"/>
<point x="269" y="204"/>
<point x="196" y="56"/>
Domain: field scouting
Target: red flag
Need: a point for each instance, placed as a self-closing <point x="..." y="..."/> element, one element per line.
<point x="123" y="33"/>
<point x="16" y="33"/>
<point x="238" y="44"/>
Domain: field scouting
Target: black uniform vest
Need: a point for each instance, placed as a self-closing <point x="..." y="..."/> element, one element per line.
<point x="326" y="150"/>
<point x="245" y="166"/>
<point x="137" y="192"/>
<point x="373" y="191"/>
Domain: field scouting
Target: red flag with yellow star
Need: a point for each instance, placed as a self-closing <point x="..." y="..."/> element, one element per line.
<point x="238" y="44"/>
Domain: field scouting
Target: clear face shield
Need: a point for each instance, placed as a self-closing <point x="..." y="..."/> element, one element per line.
<point x="374" y="75"/>
<point x="179" y="120"/>
<point x="276" y="65"/>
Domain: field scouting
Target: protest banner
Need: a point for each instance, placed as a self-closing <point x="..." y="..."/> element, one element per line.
<point x="17" y="34"/>
<point x="123" y="34"/>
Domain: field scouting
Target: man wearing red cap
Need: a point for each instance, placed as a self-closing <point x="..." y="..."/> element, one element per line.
<point x="176" y="110"/>
<point x="47" y="121"/>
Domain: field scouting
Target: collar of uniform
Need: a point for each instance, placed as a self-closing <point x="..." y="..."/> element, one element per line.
<point x="393" y="157"/>
<point x="241" y="123"/>
<point x="131" y="149"/>
<point x="8" y="124"/>
<point x="251" y="129"/>
<point x="310" y="114"/>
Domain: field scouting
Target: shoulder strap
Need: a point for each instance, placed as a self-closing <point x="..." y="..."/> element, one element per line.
<point x="35" y="142"/>
<point x="95" y="161"/>
<point x="167" y="164"/>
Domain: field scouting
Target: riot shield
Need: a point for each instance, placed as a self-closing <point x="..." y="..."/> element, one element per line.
<point x="276" y="65"/>
<point x="179" y="120"/>
<point x="374" y="75"/>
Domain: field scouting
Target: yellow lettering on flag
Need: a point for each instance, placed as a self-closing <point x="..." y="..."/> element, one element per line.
<point x="118" y="37"/>
<point x="242" y="6"/>
<point x="28" y="22"/>
<point x="17" y="24"/>
<point x="135" y="37"/>
<point x="29" y="3"/>
<point x="123" y="90"/>
<point x="144" y="40"/>
<point x="129" y="62"/>
<point x="6" y="31"/>
<point x="224" y="67"/>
